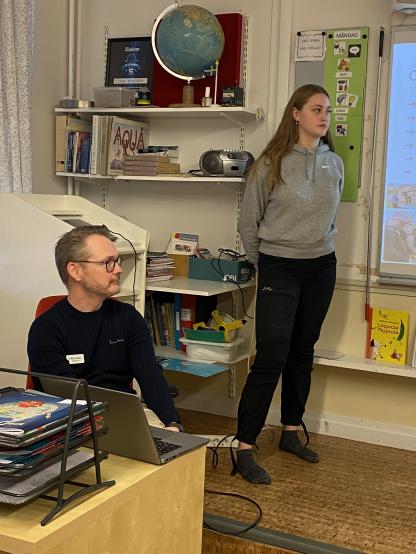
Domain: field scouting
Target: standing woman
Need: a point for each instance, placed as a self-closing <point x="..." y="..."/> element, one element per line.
<point x="287" y="225"/>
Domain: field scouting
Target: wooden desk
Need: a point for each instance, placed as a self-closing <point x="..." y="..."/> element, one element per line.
<point x="150" y="510"/>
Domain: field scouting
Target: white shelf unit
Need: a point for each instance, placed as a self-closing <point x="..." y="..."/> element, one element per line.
<point x="360" y="363"/>
<point x="355" y="363"/>
<point x="237" y="115"/>
<point x="169" y="352"/>
<point x="185" y="178"/>
<point x="197" y="287"/>
<point x="200" y="287"/>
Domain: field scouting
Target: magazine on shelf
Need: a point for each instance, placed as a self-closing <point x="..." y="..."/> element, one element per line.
<point x="126" y="137"/>
<point x="200" y="369"/>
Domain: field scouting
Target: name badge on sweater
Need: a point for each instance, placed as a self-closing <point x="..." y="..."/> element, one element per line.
<point x="75" y="358"/>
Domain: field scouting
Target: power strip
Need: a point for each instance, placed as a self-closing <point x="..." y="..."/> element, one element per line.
<point x="214" y="441"/>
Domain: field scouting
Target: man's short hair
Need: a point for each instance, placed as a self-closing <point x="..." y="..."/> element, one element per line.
<point x="71" y="246"/>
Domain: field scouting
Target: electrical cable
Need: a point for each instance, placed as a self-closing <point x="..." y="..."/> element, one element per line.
<point x="367" y="307"/>
<point x="214" y="465"/>
<point x="244" y="529"/>
<point x="214" y="450"/>
<point x="135" y="263"/>
<point x="235" y="256"/>
<point x="197" y="172"/>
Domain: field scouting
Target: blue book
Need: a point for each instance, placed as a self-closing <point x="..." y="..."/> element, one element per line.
<point x="177" y="316"/>
<point x="23" y="411"/>
<point x="84" y="163"/>
<point x="69" y="151"/>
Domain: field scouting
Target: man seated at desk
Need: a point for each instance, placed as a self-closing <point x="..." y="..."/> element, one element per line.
<point x="88" y="335"/>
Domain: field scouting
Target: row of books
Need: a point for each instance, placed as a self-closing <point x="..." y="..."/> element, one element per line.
<point x="166" y="314"/>
<point x="159" y="267"/>
<point x="78" y="149"/>
<point x="100" y="146"/>
<point x="163" y="319"/>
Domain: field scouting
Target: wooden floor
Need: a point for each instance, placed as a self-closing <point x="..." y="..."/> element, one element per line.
<point x="359" y="496"/>
<point x="216" y="543"/>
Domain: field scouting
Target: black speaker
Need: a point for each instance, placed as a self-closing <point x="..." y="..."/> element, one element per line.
<point x="225" y="163"/>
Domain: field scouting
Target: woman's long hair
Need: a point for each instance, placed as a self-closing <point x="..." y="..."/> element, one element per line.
<point x="287" y="135"/>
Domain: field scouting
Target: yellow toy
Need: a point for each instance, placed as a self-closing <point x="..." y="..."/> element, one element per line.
<point x="226" y="323"/>
<point x="222" y="323"/>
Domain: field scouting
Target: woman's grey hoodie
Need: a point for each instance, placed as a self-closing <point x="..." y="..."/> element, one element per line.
<point x="297" y="218"/>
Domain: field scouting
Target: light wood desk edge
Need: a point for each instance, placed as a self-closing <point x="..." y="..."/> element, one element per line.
<point x="151" y="509"/>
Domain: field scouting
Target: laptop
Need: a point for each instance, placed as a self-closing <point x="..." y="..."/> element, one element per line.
<point x="129" y="432"/>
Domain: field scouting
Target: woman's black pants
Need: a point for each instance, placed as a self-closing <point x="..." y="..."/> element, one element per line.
<point x="293" y="297"/>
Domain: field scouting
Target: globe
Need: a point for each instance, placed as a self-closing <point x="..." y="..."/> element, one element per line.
<point x="188" y="40"/>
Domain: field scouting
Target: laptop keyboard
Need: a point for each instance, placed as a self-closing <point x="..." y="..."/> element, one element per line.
<point x="164" y="447"/>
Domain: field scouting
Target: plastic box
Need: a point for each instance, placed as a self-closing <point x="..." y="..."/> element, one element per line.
<point x="114" y="97"/>
<point x="204" y="335"/>
<point x="213" y="352"/>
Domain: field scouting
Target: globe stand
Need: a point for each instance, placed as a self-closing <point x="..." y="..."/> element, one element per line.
<point x="187" y="98"/>
<point x="214" y="104"/>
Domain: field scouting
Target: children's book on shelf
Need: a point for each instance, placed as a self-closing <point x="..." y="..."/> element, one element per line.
<point x="127" y="137"/>
<point x="388" y="336"/>
<point x="183" y="243"/>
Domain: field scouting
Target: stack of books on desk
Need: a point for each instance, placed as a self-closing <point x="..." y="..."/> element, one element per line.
<point x="149" y="164"/>
<point x="32" y="434"/>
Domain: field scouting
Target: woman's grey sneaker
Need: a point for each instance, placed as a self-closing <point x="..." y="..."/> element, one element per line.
<point x="247" y="467"/>
<point x="290" y="442"/>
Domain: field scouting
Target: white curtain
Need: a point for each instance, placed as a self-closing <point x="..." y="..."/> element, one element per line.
<point x="16" y="51"/>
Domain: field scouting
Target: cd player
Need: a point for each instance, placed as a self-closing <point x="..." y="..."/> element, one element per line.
<point x="225" y="163"/>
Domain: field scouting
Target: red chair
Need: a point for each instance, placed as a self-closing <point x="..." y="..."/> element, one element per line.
<point x="44" y="305"/>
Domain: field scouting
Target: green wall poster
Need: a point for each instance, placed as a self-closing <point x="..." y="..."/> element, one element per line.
<point x="345" y="69"/>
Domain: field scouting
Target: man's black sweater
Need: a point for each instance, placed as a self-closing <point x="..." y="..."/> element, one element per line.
<point x="115" y="347"/>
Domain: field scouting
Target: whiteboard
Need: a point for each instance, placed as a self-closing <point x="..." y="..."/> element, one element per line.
<point x="398" y="230"/>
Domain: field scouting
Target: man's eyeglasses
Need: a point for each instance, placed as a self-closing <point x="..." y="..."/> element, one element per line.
<point x="109" y="264"/>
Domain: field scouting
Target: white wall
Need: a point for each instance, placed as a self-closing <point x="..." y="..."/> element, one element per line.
<point x="344" y="395"/>
<point x="49" y="85"/>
